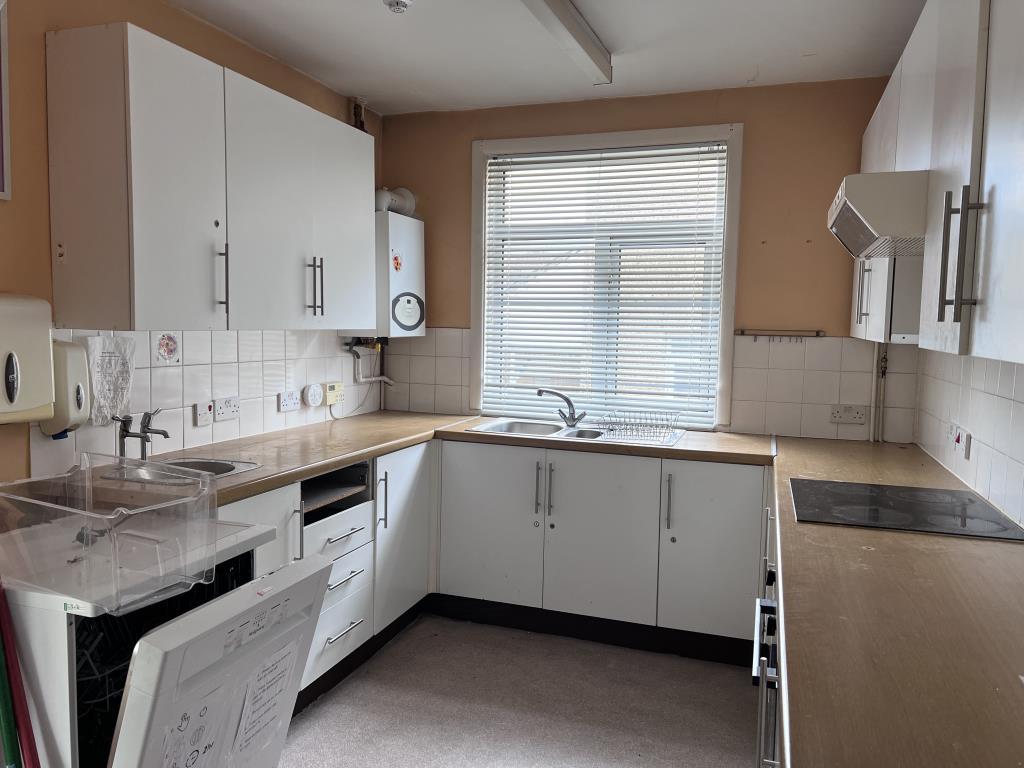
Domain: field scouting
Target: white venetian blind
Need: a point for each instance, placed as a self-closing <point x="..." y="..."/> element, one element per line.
<point x="603" y="278"/>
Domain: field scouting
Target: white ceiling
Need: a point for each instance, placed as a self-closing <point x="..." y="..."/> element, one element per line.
<point x="464" y="54"/>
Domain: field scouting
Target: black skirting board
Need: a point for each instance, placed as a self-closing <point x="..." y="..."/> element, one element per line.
<point x="724" y="650"/>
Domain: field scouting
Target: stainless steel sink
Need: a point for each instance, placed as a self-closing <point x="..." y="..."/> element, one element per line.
<point x="581" y="434"/>
<point x="511" y="427"/>
<point x="218" y="467"/>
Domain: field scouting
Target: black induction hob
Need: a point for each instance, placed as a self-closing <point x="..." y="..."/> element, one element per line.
<point x="901" y="508"/>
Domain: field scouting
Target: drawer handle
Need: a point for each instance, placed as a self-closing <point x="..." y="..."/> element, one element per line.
<point x="337" y="637"/>
<point x="346" y="580"/>
<point x="353" y="532"/>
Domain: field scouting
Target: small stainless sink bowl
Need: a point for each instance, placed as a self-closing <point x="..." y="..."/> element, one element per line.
<point x="581" y="434"/>
<point x="218" y="467"/>
<point x="511" y="427"/>
<point x="146" y="475"/>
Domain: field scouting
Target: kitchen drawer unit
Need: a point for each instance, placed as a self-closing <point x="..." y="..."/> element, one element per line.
<point x="351" y="574"/>
<point x="341" y="533"/>
<point x="341" y="630"/>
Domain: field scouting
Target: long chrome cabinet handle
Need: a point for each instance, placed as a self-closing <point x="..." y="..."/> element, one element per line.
<point x="536" y="490"/>
<point x="337" y="637"/>
<point x="860" y="293"/>
<point x="947" y="217"/>
<point x="865" y="270"/>
<point x="226" y="253"/>
<point x="353" y="532"/>
<point x="346" y="580"/>
<point x="551" y="487"/>
<point x="385" y="518"/>
<point x="966" y="206"/>
<point x="668" y="504"/>
<point x="765" y="543"/>
<point x="314" y="306"/>
<point x="301" y="513"/>
<point x="322" y="300"/>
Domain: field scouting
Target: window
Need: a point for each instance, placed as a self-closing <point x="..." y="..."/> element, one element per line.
<point x="605" y="275"/>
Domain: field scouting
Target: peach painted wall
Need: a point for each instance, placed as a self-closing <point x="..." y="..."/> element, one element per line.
<point x="799" y="142"/>
<point x="24" y="220"/>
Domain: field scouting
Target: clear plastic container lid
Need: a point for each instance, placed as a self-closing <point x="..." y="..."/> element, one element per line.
<point x="113" y="533"/>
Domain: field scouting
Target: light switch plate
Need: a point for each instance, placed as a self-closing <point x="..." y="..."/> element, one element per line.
<point x="202" y="414"/>
<point x="226" y="409"/>
<point x="849" y="414"/>
<point x="334" y="393"/>
<point x="289" y="401"/>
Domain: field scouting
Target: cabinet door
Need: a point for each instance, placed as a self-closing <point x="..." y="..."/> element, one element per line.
<point x="999" y="316"/>
<point x="917" y="94"/>
<point x="176" y="126"/>
<point x="601" y="541"/>
<point x="955" y="163"/>
<point x="878" y="149"/>
<point x="270" y="193"/>
<point x="710" y="545"/>
<point x="492" y="522"/>
<point x="278" y="508"/>
<point x="402" y="566"/>
<point x="877" y="298"/>
<point x="343" y="223"/>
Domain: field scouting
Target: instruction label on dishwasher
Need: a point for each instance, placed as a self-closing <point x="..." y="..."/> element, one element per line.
<point x="190" y="741"/>
<point x="265" y="706"/>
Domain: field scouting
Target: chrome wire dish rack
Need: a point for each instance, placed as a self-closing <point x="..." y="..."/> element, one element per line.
<point x="652" y="427"/>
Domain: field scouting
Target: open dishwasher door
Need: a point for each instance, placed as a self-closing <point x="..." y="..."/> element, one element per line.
<point x="216" y="687"/>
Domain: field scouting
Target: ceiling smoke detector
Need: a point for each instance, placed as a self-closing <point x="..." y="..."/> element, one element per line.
<point x="397" y="6"/>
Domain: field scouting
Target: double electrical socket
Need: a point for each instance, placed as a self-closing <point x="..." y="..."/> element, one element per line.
<point x="849" y="414"/>
<point x="289" y="401"/>
<point x="222" y="409"/>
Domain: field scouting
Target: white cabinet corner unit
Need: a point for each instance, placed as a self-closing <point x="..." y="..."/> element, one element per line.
<point x="184" y="195"/>
<point x="666" y="543"/>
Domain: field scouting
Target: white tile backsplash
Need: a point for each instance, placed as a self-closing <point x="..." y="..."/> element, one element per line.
<point x="431" y="373"/>
<point x="982" y="397"/>
<point x="204" y="367"/>
<point x="787" y="386"/>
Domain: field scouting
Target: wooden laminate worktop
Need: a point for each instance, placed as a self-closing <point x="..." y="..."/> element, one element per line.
<point x="724" y="447"/>
<point x="291" y="455"/>
<point x="901" y="649"/>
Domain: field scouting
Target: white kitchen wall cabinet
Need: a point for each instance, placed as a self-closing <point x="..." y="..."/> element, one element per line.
<point x="343" y="222"/>
<point x="270" y="208"/>
<point x="601" y="543"/>
<point x="402" y="557"/>
<point x="954" y="185"/>
<point x="137" y="189"/>
<point x="710" y="539"/>
<point x="492" y="523"/>
<point x="998" y="319"/>
<point x="278" y="508"/>
<point x="917" y="94"/>
<point x="886" y="299"/>
<point x="878" y="148"/>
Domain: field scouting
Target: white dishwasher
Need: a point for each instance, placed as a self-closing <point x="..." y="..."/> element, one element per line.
<point x="217" y="686"/>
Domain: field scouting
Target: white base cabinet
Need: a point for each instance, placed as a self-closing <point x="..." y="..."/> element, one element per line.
<point x="402" y="558"/>
<point x="579" y="532"/>
<point x="710" y="542"/>
<point x="279" y="508"/>
<point x="601" y="542"/>
<point x="492" y="524"/>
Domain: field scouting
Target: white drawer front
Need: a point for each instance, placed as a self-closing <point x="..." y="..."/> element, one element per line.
<point x="351" y="573"/>
<point x="340" y="631"/>
<point x="341" y="533"/>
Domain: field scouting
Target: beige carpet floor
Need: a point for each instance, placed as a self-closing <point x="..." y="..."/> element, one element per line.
<point x="455" y="694"/>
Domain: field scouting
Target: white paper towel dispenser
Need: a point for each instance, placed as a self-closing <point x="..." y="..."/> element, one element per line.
<point x="26" y="359"/>
<point x="72" y="398"/>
